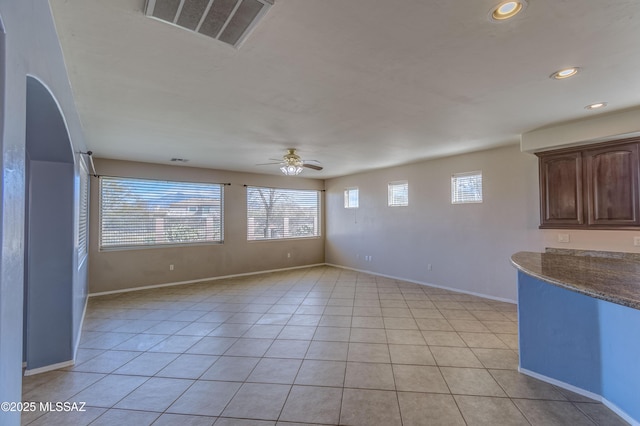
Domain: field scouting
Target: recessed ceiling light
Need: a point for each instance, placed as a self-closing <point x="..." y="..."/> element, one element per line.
<point x="179" y="160"/>
<point x="565" y="73"/>
<point x="597" y="105"/>
<point x="507" y="9"/>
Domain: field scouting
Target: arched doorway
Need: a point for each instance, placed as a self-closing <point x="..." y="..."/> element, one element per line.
<point x="49" y="232"/>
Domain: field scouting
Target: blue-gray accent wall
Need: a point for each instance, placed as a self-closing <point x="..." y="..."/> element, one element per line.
<point x="571" y="324"/>
<point x="49" y="308"/>
<point x="49" y="232"/>
<point x="588" y="343"/>
<point x="31" y="50"/>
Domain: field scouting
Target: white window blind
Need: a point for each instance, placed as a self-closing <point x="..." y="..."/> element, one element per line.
<point x="274" y="213"/>
<point x="351" y="198"/>
<point x="83" y="214"/>
<point x="398" y="193"/>
<point x="140" y="212"/>
<point x="466" y="187"/>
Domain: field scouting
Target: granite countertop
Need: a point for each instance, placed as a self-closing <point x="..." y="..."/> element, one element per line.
<point x="615" y="280"/>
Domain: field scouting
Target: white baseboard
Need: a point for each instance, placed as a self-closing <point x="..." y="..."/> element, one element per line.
<point x="627" y="418"/>
<point x="64" y="363"/>
<point x="77" y="344"/>
<point x="48" y="368"/>
<point x="561" y="384"/>
<point x="223" y="277"/>
<point x="582" y="392"/>
<point x="457" y="290"/>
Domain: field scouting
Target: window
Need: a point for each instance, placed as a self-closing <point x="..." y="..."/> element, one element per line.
<point x="351" y="198"/>
<point x="83" y="215"/>
<point x="399" y="193"/>
<point x="143" y="213"/>
<point x="466" y="187"/>
<point x="282" y="213"/>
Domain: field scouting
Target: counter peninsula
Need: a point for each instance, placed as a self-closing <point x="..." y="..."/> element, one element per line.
<point x="579" y="324"/>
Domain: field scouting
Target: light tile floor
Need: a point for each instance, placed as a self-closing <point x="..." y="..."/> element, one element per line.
<point x="310" y="346"/>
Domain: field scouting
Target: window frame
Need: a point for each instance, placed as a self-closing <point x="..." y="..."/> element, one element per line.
<point x="454" y="180"/>
<point x="390" y="193"/>
<point x="177" y="184"/>
<point x="318" y="219"/>
<point x="347" y="197"/>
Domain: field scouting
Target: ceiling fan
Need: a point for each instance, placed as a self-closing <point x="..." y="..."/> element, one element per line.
<point x="291" y="163"/>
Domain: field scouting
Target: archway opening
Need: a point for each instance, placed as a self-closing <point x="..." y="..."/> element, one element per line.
<point x="49" y="232"/>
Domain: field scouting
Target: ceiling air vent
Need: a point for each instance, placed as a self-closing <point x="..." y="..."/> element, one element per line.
<point x="229" y="21"/>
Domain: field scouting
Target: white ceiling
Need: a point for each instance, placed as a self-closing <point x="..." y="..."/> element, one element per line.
<point x="355" y="84"/>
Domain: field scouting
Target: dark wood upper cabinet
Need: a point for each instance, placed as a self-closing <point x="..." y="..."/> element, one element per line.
<point x="594" y="187"/>
<point x="612" y="185"/>
<point x="561" y="190"/>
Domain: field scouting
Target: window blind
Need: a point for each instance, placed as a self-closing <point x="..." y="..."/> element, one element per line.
<point x="466" y="187"/>
<point x="351" y="198"/>
<point x="141" y="212"/>
<point x="83" y="214"/>
<point x="398" y="193"/>
<point x="274" y="213"/>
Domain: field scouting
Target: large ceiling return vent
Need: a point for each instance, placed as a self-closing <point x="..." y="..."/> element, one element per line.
<point x="229" y="21"/>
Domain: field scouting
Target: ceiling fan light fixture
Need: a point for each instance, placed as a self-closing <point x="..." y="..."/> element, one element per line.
<point x="291" y="170"/>
<point x="292" y="165"/>
<point x="507" y="10"/>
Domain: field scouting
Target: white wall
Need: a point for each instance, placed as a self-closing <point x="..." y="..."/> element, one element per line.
<point x="599" y="128"/>
<point x="468" y="246"/>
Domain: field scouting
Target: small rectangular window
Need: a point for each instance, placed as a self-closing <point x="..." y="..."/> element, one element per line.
<point x="274" y="213"/>
<point x="144" y="213"/>
<point x="398" y="193"/>
<point x="466" y="187"/>
<point x="351" y="198"/>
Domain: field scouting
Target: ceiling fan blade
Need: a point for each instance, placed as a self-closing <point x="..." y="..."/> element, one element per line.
<point x="313" y="161"/>
<point x="269" y="164"/>
<point x="312" y="166"/>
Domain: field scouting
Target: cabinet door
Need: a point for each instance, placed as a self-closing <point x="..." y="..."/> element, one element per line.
<point x="612" y="186"/>
<point x="561" y="190"/>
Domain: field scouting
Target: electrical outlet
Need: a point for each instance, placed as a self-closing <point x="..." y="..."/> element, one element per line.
<point x="288" y="255"/>
<point x="636" y="241"/>
<point x="171" y="267"/>
<point x="563" y="238"/>
<point x="429" y="268"/>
